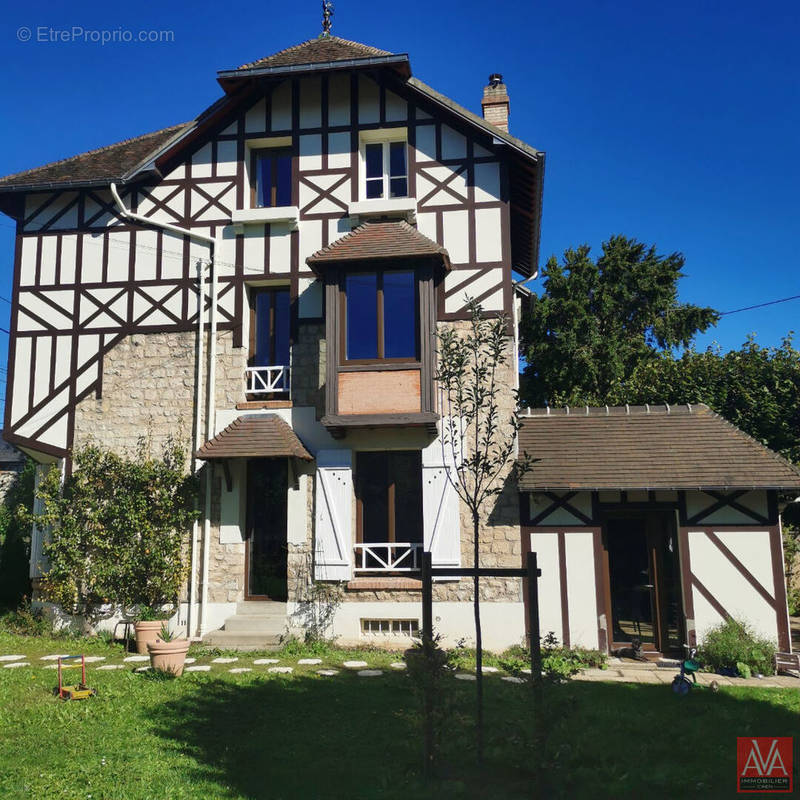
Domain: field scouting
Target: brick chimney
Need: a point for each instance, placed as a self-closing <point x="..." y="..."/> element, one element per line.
<point x="495" y="102"/>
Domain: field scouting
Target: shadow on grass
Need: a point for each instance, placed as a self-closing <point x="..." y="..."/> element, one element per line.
<point x="361" y="738"/>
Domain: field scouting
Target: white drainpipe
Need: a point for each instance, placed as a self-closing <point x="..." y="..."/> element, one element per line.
<point x="213" y="243"/>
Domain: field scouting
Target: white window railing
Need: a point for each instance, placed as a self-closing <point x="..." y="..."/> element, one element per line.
<point x="388" y="557"/>
<point x="267" y="380"/>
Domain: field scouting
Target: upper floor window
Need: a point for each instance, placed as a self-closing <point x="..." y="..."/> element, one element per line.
<point x="380" y="316"/>
<point x="385" y="170"/>
<point x="271" y="177"/>
<point x="269" y="327"/>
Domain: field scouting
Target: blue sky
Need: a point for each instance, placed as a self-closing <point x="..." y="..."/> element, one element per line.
<point x="674" y="123"/>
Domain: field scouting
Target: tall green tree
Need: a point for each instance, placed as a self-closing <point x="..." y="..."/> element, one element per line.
<point x="755" y="388"/>
<point x="598" y="319"/>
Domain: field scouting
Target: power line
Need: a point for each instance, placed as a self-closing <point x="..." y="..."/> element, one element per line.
<point x="761" y="305"/>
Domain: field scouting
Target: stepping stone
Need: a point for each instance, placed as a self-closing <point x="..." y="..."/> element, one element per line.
<point x="17" y="664"/>
<point x="370" y="673"/>
<point x="512" y="679"/>
<point x="310" y="661"/>
<point x="93" y="659"/>
<point x="136" y="658"/>
<point x="398" y="665"/>
<point x="237" y="670"/>
<point x="142" y="669"/>
<point x="327" y="672"/>
<point x="224" y="660"/>
<point x="198" y="668"/>
<point x="189" y="660"/>
<point x="50" y="666"/>
<point x="354" y="664"/>
<point x="281" y="670"/>
<point x="266" y="661"/>
<point x="11" y="658"/>
<point x="53" y="657"/>
<point x="465" y="676"/>
<point x="489" y="669"/>
<point x="112" y="666"/>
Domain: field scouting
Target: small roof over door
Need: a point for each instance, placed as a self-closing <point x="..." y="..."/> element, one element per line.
<point x="255" y="436"/>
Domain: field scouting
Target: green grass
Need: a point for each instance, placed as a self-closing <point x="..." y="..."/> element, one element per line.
<point x="255" y="735"/>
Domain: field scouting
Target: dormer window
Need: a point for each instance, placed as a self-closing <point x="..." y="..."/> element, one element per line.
<point x="271" y="177"/>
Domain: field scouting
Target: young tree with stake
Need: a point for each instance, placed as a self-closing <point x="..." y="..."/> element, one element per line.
<point x="479" y="434"/>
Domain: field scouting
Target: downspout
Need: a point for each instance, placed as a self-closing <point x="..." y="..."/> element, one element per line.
<point x="210" y="427"/>
<point x="212" y="242"/>
<point x="517" y="289"/>
<point x="191" y="625"/>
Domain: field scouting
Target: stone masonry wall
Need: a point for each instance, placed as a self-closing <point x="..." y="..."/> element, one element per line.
<point x="149" y="390"/>
<point x="309" y="357"/>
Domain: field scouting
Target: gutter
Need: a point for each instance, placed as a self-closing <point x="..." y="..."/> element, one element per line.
<point x="212" y="242"/>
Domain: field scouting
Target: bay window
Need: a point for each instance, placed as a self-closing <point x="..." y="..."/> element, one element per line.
<point x="380" y="316"/>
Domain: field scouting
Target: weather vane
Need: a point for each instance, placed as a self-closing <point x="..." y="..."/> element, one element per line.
<point x="327" y="13"/>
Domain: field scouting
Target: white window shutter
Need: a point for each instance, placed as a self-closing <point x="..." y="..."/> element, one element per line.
<point x="440" y="515"/>
<point x="333" y="545"/>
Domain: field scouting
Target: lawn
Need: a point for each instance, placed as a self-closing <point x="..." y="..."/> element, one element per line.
<point x="259" y="735"/>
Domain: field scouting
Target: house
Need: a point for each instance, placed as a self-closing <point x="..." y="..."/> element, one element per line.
<point x="266" y="282"/>
<point x="654" y="523"/>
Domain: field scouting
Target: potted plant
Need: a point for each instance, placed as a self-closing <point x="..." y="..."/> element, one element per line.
<point x="147" y="627"/>
<point x="168" y="653"/>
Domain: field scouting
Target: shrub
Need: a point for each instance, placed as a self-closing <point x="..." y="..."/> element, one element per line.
<point x="562" y="662"/>
<point x="26" y="621"/>
<point x="734" y="642"/>
<point x="15" y="537"/>
<point x="117" y="530"/>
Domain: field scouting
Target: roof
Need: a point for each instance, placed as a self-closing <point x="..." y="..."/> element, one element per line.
<point x="317" y="51"/>
<point x="102" y="165"/>
<point x="255" y="436"/>
<point x="8" y="453"/>
<point x="379" y="240"/>
<point x="646" y="447"/>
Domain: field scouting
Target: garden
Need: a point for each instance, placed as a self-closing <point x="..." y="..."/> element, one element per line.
<point x="298" y="723"/>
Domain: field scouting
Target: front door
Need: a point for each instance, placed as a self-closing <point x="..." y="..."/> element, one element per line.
<point x="266" y="548"/>
<point x="642" y="579"/>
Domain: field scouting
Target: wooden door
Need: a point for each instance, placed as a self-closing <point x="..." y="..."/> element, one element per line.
<point x="266" y="547"/>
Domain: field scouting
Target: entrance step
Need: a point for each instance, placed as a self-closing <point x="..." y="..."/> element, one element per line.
<point x="255" y="626"/>
<point x="261" y="608"/>
<point x="238" y="640"/>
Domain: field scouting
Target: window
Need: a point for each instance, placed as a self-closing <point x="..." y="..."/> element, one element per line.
<point x="390" y="627"/>
<point x="385" y="169"/>
<point x="380" y="315"/>
<point x="389" y="496"/>
<point x="271" y="177"/>
<point x="269" y="327"/>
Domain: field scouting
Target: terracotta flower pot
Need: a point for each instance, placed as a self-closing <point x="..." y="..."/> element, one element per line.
<point x="146" y="632"/>
<point x="168" y="656"/>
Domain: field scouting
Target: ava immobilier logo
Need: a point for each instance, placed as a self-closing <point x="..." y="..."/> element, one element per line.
<point x="764" y="764"/>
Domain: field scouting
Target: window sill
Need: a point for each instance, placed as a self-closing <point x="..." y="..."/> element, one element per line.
<point x="393" y="207"/>
<point x="387" y="583"/>
<point x="255" y="216"/>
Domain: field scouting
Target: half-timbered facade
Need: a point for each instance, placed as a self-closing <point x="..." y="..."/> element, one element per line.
<point x="284" y="261"/>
